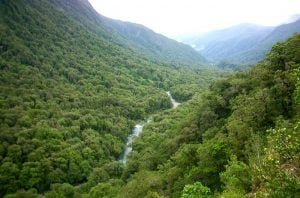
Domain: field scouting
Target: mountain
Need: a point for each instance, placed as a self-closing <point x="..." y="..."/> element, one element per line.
<point x="160" y="47"/>
<point x="137" y="38"/>
<point x="141" y="39"/>
<point x="239" y="32"/>
<point x="242" y="44"/>
<point x="279" y="34"/>
<point x="72" y="86"/>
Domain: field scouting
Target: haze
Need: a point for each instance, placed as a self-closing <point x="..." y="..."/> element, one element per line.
<point x="178" y="17"/>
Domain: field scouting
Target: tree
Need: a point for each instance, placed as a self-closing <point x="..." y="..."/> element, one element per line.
<point x="196" y="190"/>
<point x="104" y="190"/>
<point x="9" y="173"/>
<point x="64" y="190"/>
<point x="32" y="175"/>
<point x="279" y="174"/>
<point x="236" y="177"/>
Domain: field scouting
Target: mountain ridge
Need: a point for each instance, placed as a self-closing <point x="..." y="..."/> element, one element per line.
<point x="149" y="44"/>
<point x="243" y="44"/>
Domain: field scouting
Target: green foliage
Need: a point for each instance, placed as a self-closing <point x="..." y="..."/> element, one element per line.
<point x="156" y="46"/>
<point x="232" y="194"/>
<point x="9" y="173"/>
<point x="279" y="172"/>
<point x="24" y="194"/>
<point x="196" y="190"/>
<point x="143" y="184"/>
<point x="71" y="89"/>
<point x="233" y="118"/>
<point x="106" y="190"/>
<point x="236" y="177"/>
<point x="61" y="190"/>
<point x="297" y="91"/>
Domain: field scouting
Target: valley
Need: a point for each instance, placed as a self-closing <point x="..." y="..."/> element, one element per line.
<point x="96" y="107"/>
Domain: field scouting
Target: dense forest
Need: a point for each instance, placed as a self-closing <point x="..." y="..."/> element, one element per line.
<point x="74" y="83"/>
<point x="239" y="138"/>
<point x="71" y="91"/>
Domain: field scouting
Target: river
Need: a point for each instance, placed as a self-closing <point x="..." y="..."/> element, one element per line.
<point x="174" y="103"/>
<point x="138" y="129"/>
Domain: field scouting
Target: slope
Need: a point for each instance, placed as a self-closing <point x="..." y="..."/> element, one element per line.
<point x="70" y="91"/>
<point x="157" y="46"/>
<point x="138" y="38"/>
<point x="240" y="138"/>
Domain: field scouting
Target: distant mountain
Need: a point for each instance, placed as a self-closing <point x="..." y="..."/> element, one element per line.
<point x="239" y="32"/>
<point x="241" y="44"/>
<point x="280" y="33"/>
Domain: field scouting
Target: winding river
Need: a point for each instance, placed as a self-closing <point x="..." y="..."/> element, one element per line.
<point x="138" y="129"/>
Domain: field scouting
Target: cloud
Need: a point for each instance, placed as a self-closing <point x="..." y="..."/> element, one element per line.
<point x="172" y="17"/>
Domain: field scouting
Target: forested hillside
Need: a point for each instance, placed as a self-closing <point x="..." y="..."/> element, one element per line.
<point x="158" y="46"/>
<point x="241" y="138"/>
<point x="137" y="38"/>
<point x="71" y="89"/>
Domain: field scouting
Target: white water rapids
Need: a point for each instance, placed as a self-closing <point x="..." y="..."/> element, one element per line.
<point x="138" y="129"/>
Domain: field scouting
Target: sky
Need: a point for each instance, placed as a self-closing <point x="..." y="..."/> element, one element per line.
<point x="179" y="17"/>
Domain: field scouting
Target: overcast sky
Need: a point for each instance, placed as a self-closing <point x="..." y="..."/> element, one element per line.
<point x="176" y="17"/>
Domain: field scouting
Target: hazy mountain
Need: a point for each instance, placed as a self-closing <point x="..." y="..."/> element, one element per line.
<point x="239" y="32"/>
<point x="280" y="33"/>
<point x="241" y="44"/>
<point x="260" y="48"/>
